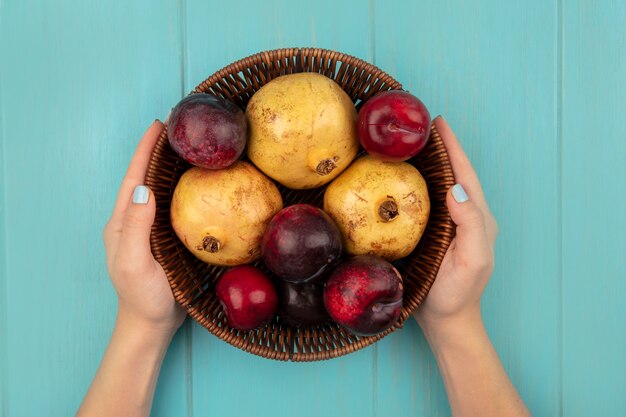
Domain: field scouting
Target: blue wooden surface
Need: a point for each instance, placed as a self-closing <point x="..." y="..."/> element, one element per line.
<point x="594" y="209"/>
<point x="536" y="91"/>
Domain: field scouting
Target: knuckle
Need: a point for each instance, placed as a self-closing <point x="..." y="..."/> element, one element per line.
<point x="132" y="221"/>
<point x="485" y="264"/>
<point x="476" y="217"/>
<point x="479" y="265"/>
<point x="465" y="262"/>
<point x="126" y="269"/>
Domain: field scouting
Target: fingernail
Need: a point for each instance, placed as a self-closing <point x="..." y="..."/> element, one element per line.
<point x="141" y="195"/>
<point x="459" y="194"/>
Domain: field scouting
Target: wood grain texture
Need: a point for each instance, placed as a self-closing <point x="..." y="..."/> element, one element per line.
<point x="227" y="381"/>
<point x="80" y="83"/>
<point x="594" y="205"/>
<point x="479" y="64"/>
<point x="3" y="259"/>
<point x="258" y="26"/>
<point x="535" y="90"/>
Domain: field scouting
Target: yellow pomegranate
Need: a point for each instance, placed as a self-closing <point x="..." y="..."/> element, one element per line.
<point x="302" y="130"/>
<point x="380" y="207"/>
<point x="221" y="215"/>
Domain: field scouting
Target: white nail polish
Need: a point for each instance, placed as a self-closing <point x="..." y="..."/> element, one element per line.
<point x="459" y="194"/>
<point x="141" y="195"/>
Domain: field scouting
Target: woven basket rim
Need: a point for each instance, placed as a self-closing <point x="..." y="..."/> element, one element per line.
<point x="343" y="341"/>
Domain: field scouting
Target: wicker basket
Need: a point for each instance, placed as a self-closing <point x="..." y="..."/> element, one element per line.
<point x="193" y="282"/>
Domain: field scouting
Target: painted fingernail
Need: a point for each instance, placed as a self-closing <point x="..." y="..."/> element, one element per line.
<point x="459" y="193"/>
<point x="141" y="195"/>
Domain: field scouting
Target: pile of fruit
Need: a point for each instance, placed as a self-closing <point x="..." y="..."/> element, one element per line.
<point x="302" y="131"/>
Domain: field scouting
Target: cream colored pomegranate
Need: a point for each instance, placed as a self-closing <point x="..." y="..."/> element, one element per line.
<point x="302" y="130"/>
<point x="380" y="207"/>
<point x="221" y="215"/>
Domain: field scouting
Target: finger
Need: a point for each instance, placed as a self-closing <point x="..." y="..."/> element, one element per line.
<point x="461" y="165"/>
<point x="135" y="174"/>
<point x="134" y="243"/>
<point x="473" y="246"/>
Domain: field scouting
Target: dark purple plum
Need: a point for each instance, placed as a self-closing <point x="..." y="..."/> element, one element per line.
<point x="364" y="295"/>
<point x="302" y="304"/>
<point x="301" y="244"/>
<point x="207" y="131"/>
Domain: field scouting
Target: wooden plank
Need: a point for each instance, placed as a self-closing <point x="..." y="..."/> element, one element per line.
<point x="227" y="381"/>
<point x="257" y="26"/>
<point x="80" y="83"/>
<point x="3" y="265"/>
<point x="594" y="169"/>
<point x="494" y="78"/>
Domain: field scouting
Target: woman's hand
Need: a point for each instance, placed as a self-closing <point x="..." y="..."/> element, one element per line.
<point x="468" y="264"/>
<point x="148" y="316"/>
<point x="145" y="297"/>
<point x="475" y="380"/>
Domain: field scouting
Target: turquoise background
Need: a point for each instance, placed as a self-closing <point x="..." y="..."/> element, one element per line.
<point x="535" y="89"/>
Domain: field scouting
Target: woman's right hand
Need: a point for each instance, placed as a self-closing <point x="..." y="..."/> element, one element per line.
<point x="145" y="297"/>
<point x="468" y="263"/>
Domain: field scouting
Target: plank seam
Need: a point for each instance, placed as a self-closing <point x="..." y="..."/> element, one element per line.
<point x="559" y="138"/>
<point x="372" y="13"/>
<point x="4" y="269"/>
<point x="372" y="52"/>
<point x="189" y="366"/>
<point x="182" y="24"/>
<point x="188" y="339"/>
<point x="375" y="380"/>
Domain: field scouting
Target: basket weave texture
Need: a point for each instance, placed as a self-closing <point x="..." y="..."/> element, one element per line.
<point x="193" y="282"/>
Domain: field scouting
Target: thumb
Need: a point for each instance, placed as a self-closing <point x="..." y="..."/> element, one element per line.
<point x="136" y="226"/>
<point x="472" y="246"/>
